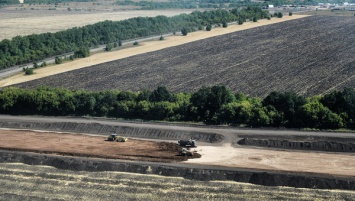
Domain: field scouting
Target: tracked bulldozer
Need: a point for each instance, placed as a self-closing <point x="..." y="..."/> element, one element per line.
<point x="114" y="137"/>
<point x="187" y="143"/>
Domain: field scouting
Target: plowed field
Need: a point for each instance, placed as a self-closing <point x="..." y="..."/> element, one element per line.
<point x="310" y="56"/>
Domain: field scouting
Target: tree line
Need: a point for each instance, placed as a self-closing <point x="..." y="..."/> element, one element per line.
<point x="32" y="48"/>
<point x="5" y="2"/>
<point x="211" y="105"/>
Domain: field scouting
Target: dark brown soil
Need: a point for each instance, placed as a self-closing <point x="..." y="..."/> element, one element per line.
<point x="90" y="146"/>
<point x="309" y="56"/>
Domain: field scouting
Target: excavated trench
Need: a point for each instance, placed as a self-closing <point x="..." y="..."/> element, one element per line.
<point x="198" y="172"/>
<point x="331" y="144"/>
<point x="194" y="172"/>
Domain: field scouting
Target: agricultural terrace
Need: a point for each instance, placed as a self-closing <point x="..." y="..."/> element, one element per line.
<point x="310" y="56"/>
<point x="19" y="182"/>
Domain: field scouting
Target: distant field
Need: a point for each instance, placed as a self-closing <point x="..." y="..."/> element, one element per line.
<point x="310" y="56"/>
<point x="26" y="22"/>
<point x="329" y="12"/>
<point x="26" y="182"/>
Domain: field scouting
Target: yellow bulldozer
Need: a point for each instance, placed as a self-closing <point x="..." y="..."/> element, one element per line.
<point x="114" y="137"/>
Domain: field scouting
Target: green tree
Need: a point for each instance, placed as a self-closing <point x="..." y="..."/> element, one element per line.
<point x="108" y="47"/>
<point x="209" y="27"/>
<point x="224" y="24"/>
<point x="160" y="94"/>
<point x="279" y="15"/>
<point x="208" y="100"/>
<point x="136" y="43"/>
<point x="290" y="14"/>
<point x="184" y="31"/>
<point x="342" y="103"/>
<point x="144" y="95"/>
<point x="315" y="115"/>
<point x="82" y="52"/>
<point x="288" y="104"/>
<point x="28" y="71"/>
<point x="161" y="38"/>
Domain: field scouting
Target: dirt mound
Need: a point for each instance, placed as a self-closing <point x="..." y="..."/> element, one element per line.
<point x="90" y="146"/>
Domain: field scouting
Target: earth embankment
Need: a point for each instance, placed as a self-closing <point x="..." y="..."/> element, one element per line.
<point x="180" y="170"/>
<point x="128" y="131"/>
<point x="330" y="144"/>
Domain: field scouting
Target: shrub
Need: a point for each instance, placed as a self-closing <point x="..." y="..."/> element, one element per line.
<point x="279" y="15"/>
<point x="136" y="43"/>
<point x="240" y="21"/>
<point x="184" y="31"/>
<point x="44" y="64"/>
<point x="255" y="19"/>
<point x="35" y="65"/>
<point x="82" y="52"/>
<point x="108" y="47"/>
<point x="28" y="71"/>
<point x="290" y="14"/>
<point x="161" y="38"/>
<point x="208" y="27"/>
<point x="224" y="25"/>
<point x="58" y="60"/>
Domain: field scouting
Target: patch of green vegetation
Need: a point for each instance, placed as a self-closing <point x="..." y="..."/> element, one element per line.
<point x="211" y="105"/>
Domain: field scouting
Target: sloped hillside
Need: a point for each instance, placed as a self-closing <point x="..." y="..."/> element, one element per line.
<point x="310" y="56"/>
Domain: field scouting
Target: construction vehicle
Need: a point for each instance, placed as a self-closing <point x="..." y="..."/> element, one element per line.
<point x="114" y="137"/>
<point x="186" y="152"/>
<point x="187" y="143"/>
<point x="121" y="139"/>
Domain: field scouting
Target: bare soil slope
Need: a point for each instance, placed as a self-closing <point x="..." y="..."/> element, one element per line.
<point x="310" y="56"/>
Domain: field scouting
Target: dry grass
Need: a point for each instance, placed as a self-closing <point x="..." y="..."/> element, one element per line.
<point x="19" y="181"/>
<point x="13" y="23"/>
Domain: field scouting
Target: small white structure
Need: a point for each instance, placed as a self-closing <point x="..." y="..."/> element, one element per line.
<point x="270" y="6"/>
<point x="345" y="4"/>
<point x="22" y="1"/>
